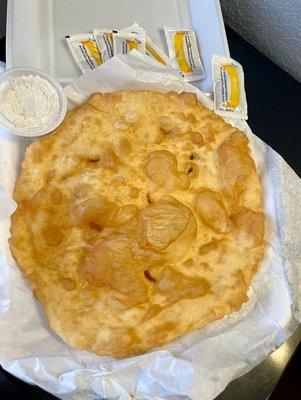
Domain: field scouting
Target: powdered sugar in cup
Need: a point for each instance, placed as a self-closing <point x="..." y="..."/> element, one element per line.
<point x="31" y="102"/>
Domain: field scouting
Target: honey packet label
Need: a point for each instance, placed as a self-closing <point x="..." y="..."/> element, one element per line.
<point x="85" y="51"/>
<point x="151" y="48"/>
<point x="228" y="85"/>
<point x="184" y="53"/>
<point x="124" y="42"/>
<point x="104" y="40"/>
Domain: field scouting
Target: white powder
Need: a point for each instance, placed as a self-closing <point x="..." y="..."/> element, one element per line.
<point x="28" y="102"/>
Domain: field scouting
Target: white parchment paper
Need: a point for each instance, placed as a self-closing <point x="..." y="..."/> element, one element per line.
<point x="197" y="366"/>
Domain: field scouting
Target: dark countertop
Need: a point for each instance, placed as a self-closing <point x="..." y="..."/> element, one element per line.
<point x="274" y="100"/>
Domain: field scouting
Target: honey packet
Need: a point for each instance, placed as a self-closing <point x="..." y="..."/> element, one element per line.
<point x="104" y="40"/>
<point x="124" y="42"/>
<point x="228" y="85"/>
<point x="85" y="51"/>
<point x="184" y="54"/>
<point x="151" y="48"/>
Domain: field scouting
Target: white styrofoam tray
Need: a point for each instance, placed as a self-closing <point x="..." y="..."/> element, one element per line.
<point x="36" y="29"/>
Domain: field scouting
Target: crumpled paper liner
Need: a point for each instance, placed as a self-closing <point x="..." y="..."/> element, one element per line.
<point x="197" y="366"/>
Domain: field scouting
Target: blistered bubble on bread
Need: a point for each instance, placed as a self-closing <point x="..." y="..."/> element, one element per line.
<point x="139" y="220"/>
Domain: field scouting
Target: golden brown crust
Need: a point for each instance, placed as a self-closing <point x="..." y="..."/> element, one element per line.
<point x="139" y="219"/>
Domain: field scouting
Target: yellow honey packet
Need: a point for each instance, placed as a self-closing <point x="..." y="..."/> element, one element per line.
<point x="184" y="54"/>
<point x="85" y="51"/>
<point x="124" y="42"/>
<point x="228" y="85"/>
<point x="104" y="40"/>
<point x="151" y="48"/>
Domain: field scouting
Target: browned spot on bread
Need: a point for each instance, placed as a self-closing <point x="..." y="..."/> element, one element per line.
<point x="52" y="235"/>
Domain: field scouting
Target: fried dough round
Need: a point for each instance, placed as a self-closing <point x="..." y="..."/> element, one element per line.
<point x="139" y="220"/>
